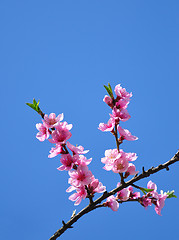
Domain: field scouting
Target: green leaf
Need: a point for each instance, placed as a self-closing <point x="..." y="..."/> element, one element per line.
<point x="31" y="105"/>
<point x="146" y="190"/>
<point x="109" y="86"/>
<point x="34" y="105"/>
<point x="106" y="88"/>
<point x="171" y="194"/>
<point x="109" y="90"/>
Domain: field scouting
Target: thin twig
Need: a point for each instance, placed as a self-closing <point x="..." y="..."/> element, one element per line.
<point x="116" y="137"/>
<point x="135" y="186"/>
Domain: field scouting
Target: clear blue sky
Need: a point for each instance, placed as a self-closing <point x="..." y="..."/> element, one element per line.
<point x="62" y="52"/>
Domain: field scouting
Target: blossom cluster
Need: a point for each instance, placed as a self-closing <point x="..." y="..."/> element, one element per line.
<point x="153" y="197"/>
<point x="73" y="159"/>
<point x="116" y="159"/>
<point x="81" y="178"/>
<point x="128" y="194"/>
<point x="121" y="162"/>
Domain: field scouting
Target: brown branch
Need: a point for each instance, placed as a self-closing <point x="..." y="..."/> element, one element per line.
<point x="129" y="200"/>
<point x="118" y="142"/>
<point x="136" y="186"/>
<point x="116" y="137"/>
<point x="41" y="113"/>
<point x="89" y="195"/>
<point x="97" y="203"/>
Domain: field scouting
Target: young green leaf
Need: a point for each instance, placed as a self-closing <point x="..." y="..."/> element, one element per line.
<point x="109" y="86"/>
<point x="171" y="194"/>
<point x="109" y="90"/>
<point x="34" y="102"/>
<point x="34" y="105"/>
<point x="146" y="190"/>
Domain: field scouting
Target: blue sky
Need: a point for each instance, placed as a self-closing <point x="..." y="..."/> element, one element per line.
<point x="63" y="52"/>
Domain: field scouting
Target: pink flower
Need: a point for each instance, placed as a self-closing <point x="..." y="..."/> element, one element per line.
<point x="122" y="93"/>
<point x="55" y="151"/>
<point x="110" y="156"/>
<point x="157" y="199"/>
<point x="116" y="161"/>
<point x="112" y="203"/>
<point x="67" y="161"/>
<point x="131" y="156"/>
<point x="81" y="160"/>
<point x="43" y="133"/>
<point x="108" y="100"/>
<point x="122" y="103"/>
<point x="122" y="114"/>
<point x="120" y="165"/>
<point x="61" y="133"/>
<point x="125" y="134"/>
<point x="52" y="120"/>
<point x="107" y="127"/>
<point x="154" y="197"/>
<point x="124" y="194"/>
<point x="131" y="170"/>
<point x="133" y="195"/>
<point x="79" y="195"/>
<point x="80" y="177"/>
<point x="160" y="203"/>
<point x="153" y="186"/>
<point x="96" y="186"/>
<point x="76" y="150"/>
<point x="145" y="201"/>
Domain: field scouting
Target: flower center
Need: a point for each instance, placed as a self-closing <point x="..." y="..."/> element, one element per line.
<point x="120" y="166"/>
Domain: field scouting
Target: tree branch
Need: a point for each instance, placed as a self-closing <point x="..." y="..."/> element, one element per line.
<point x="96" y="203"/>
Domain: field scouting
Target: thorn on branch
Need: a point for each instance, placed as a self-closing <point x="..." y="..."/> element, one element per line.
<point x="64" y="224"/>
<point x="167" y="168"/>
<point x="104" y="193"/>
<point x="136" y="175"/>
<point x="143" y="170"/>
